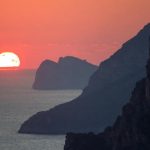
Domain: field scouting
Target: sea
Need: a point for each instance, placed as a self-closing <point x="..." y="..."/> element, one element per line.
<point x="18" y="102"/>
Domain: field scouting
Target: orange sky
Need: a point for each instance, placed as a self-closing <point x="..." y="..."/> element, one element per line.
<point x="89" y="29"/>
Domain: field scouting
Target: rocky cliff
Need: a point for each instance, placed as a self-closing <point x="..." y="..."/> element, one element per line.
<point x="108" y="90"/>
<point x="69" y="73"/>
<point x="131" y="130"/>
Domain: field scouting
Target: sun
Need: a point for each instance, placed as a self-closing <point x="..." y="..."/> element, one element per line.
<point x="9" y="60"/>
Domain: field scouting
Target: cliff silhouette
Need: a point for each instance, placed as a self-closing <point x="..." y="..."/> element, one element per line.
<point x="108" y="90"/>
<point x="131" y="130"/>
<point x="69" y="73"/>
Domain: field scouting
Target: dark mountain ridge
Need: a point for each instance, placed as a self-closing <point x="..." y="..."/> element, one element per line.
<point x="69" y="73"/>
<point x="108" y="90"/>
<point x="131" y="130"/>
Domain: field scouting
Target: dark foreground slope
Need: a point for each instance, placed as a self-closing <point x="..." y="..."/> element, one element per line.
<point x="69" y="73"/>
<point x="107" y="91"/>
<point x="131" y="130"/>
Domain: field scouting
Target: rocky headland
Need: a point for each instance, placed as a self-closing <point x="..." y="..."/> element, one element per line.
<point x="108" y="90"/>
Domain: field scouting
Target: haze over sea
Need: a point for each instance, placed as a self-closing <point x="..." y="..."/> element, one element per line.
<point x="18" y="102"/>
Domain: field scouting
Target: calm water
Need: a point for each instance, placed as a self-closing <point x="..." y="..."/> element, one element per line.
<point x="18" y="102"/>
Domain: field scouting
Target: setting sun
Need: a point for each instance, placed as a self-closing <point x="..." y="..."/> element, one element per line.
<point x="8" y="60"/>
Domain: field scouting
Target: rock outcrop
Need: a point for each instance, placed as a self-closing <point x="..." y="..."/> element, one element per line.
<point x="69" y="73"/>
<point x="131" y="130"/>
<point x="108" y="90"/>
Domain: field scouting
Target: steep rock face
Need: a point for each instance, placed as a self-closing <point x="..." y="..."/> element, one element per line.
<point x="108" y="90"/>
<point x="131" y="130"/>
<point x="68" y="73"/>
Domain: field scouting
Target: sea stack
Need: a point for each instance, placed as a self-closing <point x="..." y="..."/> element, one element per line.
<point x="69" y="73"/>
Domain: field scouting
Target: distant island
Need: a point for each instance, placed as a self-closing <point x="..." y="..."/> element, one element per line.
<point x="131" y="130"/>
<point x="69" y="73"/>
<point x="108" y="90"/>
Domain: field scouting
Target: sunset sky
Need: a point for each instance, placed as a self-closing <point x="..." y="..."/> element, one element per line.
<point x="48" y="29"/>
